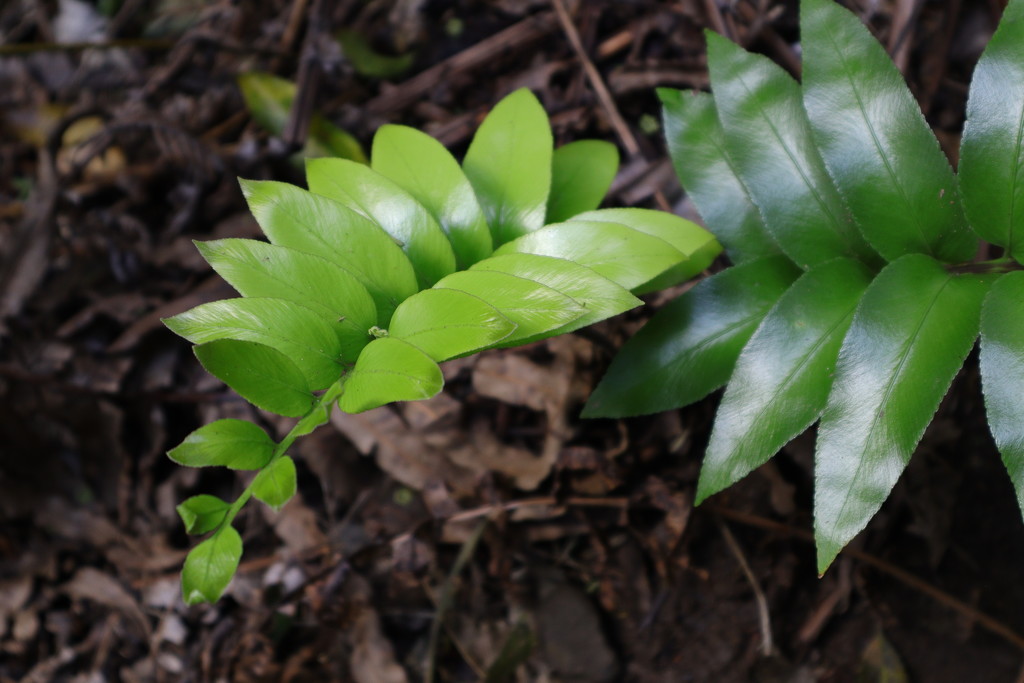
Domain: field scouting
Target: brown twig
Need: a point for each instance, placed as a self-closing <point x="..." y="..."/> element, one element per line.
<point x="764" y="617"/>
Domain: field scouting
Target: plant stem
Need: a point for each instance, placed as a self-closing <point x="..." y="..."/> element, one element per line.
<point x="999" y="265"/>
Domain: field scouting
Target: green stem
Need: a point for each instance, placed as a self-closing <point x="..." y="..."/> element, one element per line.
<point x="999" y="265"/>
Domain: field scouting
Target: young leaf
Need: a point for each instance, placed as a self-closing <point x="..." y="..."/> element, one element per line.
<point x="301" y="220"/>
<point x="235" y="444"/>
<point x="688" y="349"/>
<point x="367" y="61"/>
<point x="533" y="308"/>
<point x="388" y="370"/>
<point x="696" y="144"/>
<point x="1002" y="372"/>
<point x="784" y="373"/>
<point x="909" y="336"/>
<point x="992" y="148"/>
<point x="601" y="246"/>
<point x="210" y="566"/>
<point x="202" y="513"/>
<point x="876" y="143"/>
<point x="581" y="173"/>
<point x="425" y="169"/>
<point x="261" y="375"/>
<point x="275" y="484"/>
<point x="369" y="193"/>
<point x="445" y="323"/>
<point x="509" y="166"/>
<point x="769" y="138"/>
<point x="307" y="339"/>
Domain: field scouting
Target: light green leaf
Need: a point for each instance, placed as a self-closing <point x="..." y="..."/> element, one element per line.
<point x="784" y="373"/>
<point x="768" y="138"/>
<point x="581" y="173"/>
<point x="202" y="513"/>
<point x="625" y="256"/>
<point x="697" y="244"/>
<point x="533" y="308"/>
<point x="367" y="61"/>
<point x="308" y="340"/>
<point x="374" y="196"/>
<point x="696" y="144"/>
<point x="445" y="323"/>
<point x="992" y="148"/>
<point x="509" y="166"/>
<point x="301" y="220"/>
<point x="875" y="141"/>
<point x="260" y="374"/>
<point x="210" y="566"/>
<point x="388" y="370"/>
<point x="688" y="349"/>
<point x="275" y="484"/>
<point x="909" y="336"/>
<point x="1002" y="372"/>
<point x="236" y="444"/>
<point x="425" y="169"/>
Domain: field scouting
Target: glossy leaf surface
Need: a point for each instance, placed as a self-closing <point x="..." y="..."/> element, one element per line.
<point x="425" y="169"/>
<point x="304" y="337"/>
<point x="275" y="484"/>
<point x="768" y="138"/>
<point x="688" y="349"/>
<point x="581" y="173"/>
<point x="909" y="336"/>
<point x="292" y="217"/>
<point x="261" y="375"/>
<point x="210" y="565"/>
<point x="784" y="373"/>
<point x="875" y="141"/>
<point x="445" y="323"/>
<point x="992" y="148"/>
<point x="1002" y="372"/>
<point x="696" y="144"/>
<point x="202" y="513"/>
<point x="509" y="165"/>
<point x="388" y="370"/>
<point x="236" y="444"/>
<point x="376" y="197"/>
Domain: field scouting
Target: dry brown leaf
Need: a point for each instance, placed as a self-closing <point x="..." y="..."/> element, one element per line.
<point x="89" y="583"/>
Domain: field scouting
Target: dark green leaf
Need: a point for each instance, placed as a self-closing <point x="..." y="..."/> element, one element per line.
<point x="301" y="220"/>
<point x="388" y="370"/>
<point x="909" y="336"/>
<point x="581" y="173"/>
<point x="784" y="373"/>
<point x="210" y="566"/>
<point x="261" y="375"/>
<point x="992" y="149"/>
<point x="426" y="170"/>
<point x="374" y="196"/>
<point x="876" y="144"/>
<point x="688" y="349"/>
<point x="696" y="144"/>
<point x="509" y="165"/>
<point x="236" y="444"/>
<point x="769" y="138"/>
<point x="445" y="323"/>
<point x="275" y="484"/>
<point x="367" y="61"/>
<point x="202" y="513"/>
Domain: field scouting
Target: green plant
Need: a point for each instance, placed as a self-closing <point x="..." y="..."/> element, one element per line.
<point x="377" y="274"/>
<point x="853" y="297"/>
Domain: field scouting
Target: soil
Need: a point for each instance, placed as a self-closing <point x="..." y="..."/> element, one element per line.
<point x="543" y="547"/>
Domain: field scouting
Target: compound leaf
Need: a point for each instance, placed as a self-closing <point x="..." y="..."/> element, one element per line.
<point x="425" y="169"/>
<point x="909" y="336"/>
<point x="696" y="144"/>
<point x="688" y="349"/>
<point x="445" y="323"/>
<point x="202" y="513"/>
<point x="388" y="370"/>
<point x="581" y="173"/>
<point x="509" y="165"/>
<point x="260" y="374"/>
<point x="235" y="444"/>
<point x="992" y="148"/>
<point x="373" y="195"/>
<point x="210" y="566"/>
<point x="275" y="484"/>
<point x="784" y="373"/>
<point x="875" y="141"/>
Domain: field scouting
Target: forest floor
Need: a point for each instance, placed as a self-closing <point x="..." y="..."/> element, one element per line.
<point x="545" y="547"/>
